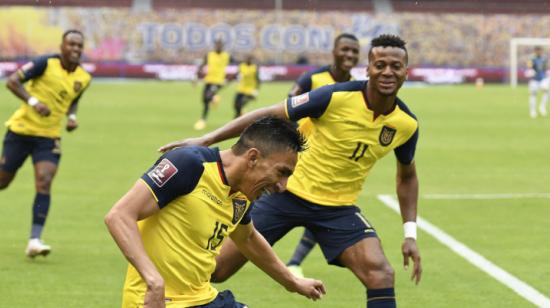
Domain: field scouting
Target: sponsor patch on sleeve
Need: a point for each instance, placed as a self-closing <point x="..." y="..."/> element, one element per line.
<point x="299" y="100"/>
<point x="27" y="66"/>
<point x="163" y="172"/>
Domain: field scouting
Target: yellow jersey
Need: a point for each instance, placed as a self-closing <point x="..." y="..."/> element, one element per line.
<point x="53" y="86"/>
<point x="249" y="79"/>
<point x="310" y="81"/>
<point x="182" y="239"/>
<point x="346" y="142"/>
<point x="216" y="64"/>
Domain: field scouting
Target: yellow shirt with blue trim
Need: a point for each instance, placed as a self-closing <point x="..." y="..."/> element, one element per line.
<point x="183" y="238"/>
<point x="346" y="142"/>
<point x="53" y="86"/>
<point x="216" y="64"/>
<point x="310" y="81"/>
<point x="249" y="80"/>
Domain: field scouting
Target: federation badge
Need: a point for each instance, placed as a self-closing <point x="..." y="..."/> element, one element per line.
<point x="386" y="135"/>
<point x="77" y="86"/>
<point x="163" y="172"/>
<point x="239" y="207"/>
<point x="299" y="100"/>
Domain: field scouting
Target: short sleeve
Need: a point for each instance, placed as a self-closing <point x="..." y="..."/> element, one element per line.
<point x="175" y="174"/>
<point x="310" y="104"/>
<point x="405" y="152"/>
<point x="246" y="217"/>
<point x="304" y="82"/>
<point x="33" y="69"/>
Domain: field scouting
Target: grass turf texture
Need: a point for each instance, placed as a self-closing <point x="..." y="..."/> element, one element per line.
<point x="472" y="141"/>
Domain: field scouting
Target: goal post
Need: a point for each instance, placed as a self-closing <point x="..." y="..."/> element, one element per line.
<point x="514" y="44"/>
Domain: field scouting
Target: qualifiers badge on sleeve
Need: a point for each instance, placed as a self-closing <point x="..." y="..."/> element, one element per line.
<point x="299" y="100"/>
<point x="163" y="172"/>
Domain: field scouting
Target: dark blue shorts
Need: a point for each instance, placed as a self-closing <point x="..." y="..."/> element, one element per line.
<point x="335" y="227"/>
<point x="17" y="147"/>
<point x="225" y="299"/>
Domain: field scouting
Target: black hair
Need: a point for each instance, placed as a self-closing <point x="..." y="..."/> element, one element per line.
<point x="72" y="31"/>
<point x="269" y="135"/>
<point x="388" y="40"/>
<point x="345" y="35"/>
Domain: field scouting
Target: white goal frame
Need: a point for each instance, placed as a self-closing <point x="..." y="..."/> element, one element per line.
<point x="522" y="41"/>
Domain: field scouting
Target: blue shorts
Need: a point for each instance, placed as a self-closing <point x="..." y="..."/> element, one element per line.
<point x="225" y="299"/>
<point x="335" y="228"/>
<point x="17" y="147"/>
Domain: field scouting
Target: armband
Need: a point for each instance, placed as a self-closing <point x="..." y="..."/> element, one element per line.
<point x="32" y="101"/>
<point x="409" y="229"/>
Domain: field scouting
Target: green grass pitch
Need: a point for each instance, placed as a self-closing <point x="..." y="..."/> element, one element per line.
<point x="472" y="142"/>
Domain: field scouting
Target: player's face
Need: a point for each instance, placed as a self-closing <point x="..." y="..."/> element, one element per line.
<point x="346" y="54"/>
<point x="270" y="174"/>
<point x="218" y="45"/>
<point x="71" y="48"/>
<point x="387" y="69"/>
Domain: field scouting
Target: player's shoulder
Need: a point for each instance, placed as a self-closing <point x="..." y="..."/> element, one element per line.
<point x="405" y="108"/>
<point x="349" y="86"/>
<point x="319" y="70"/>
<point x="194" y="155"/>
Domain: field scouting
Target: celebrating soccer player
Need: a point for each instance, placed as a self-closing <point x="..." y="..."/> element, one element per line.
<point x="53" y="87"/>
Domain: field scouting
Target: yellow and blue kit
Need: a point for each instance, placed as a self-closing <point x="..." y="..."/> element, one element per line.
<point x="197" y="213"/>
<point x="216" y="64"/>
<point x="347" y="142"/>
<point x="310" y="81"/>
<point x="249" y="78"/>
<point x="53" y="86"/>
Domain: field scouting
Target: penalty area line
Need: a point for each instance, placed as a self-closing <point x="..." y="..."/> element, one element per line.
<point x="509" y="280"/>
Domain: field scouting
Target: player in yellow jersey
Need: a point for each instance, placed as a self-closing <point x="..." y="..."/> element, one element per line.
<point x="249" y="84"/>
<point x="172" y="223"/>
<point x="50" y="87"/>
<point x="216" y="62"/>
<point x="355" y="124"/>
<point x="345" y="55"/>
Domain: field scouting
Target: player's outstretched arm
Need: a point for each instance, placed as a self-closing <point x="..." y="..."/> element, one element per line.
<point x="253" y="245"/>
<point x="407" y="193"/>
<point x="231" y="129"/>
<point x="137" y="204"/>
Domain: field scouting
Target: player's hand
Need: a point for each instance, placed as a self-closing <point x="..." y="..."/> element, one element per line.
<point x="200" y="141"/>
<point x="71" y="125"/>
<point x="310" y="288"/>
<point x="410" y="250"/>
<point x="42" y="109"/>
<point x="154" y="296"/>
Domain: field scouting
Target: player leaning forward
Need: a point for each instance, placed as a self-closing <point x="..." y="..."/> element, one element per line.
<point x="355" y="124"/>
<point x="171" y="224"/>
<point x="51" y="86"/>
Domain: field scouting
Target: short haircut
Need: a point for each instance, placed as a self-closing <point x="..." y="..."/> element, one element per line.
<point x="343" y="36"/>
<point x="270" y="135"/>
<point x="388" y="40"/>
<point x="72" y="31"/>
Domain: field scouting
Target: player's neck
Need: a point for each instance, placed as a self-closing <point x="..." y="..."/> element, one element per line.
<point x="339" y="75"/>
<point x="378" y="103"/>
<point x="229" y="165"/>
<point x="68" y="66"/>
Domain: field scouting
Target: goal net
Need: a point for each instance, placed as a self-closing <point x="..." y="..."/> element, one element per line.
<point x="514" y="44"/>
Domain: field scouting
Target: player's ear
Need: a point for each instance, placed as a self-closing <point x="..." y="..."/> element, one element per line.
<point x="252" y="156"/>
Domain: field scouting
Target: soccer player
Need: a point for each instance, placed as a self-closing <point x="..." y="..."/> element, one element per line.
<point x="345" y="56"/>
<point x="216" y="62"/>
<point x="53" y="86"/>
<point x="355" y="124"/>
<point x="172" y="223"/>
<point x="538" y="82"/>
<point x="249" y="84"/>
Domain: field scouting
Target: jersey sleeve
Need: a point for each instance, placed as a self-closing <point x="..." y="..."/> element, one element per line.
<point x="175" y="174"/>
<point x="246" y="217"/>
<point x="405" y="152"/>
<point x="304" y="82"/>
<point x="33" y="69"/>
<point x="310" y="104"/>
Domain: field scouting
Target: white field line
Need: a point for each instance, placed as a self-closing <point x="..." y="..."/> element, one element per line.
<point x="518" y="286"/>
<point x="486" y="196"/>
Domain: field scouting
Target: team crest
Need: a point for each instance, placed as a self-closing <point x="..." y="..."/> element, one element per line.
<point x="163" y="172"/>
<point x="299" y="100"/>
<point x="77" y="86"/>
<point x="239" y="207"/>
<point x="386" y="135"/>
